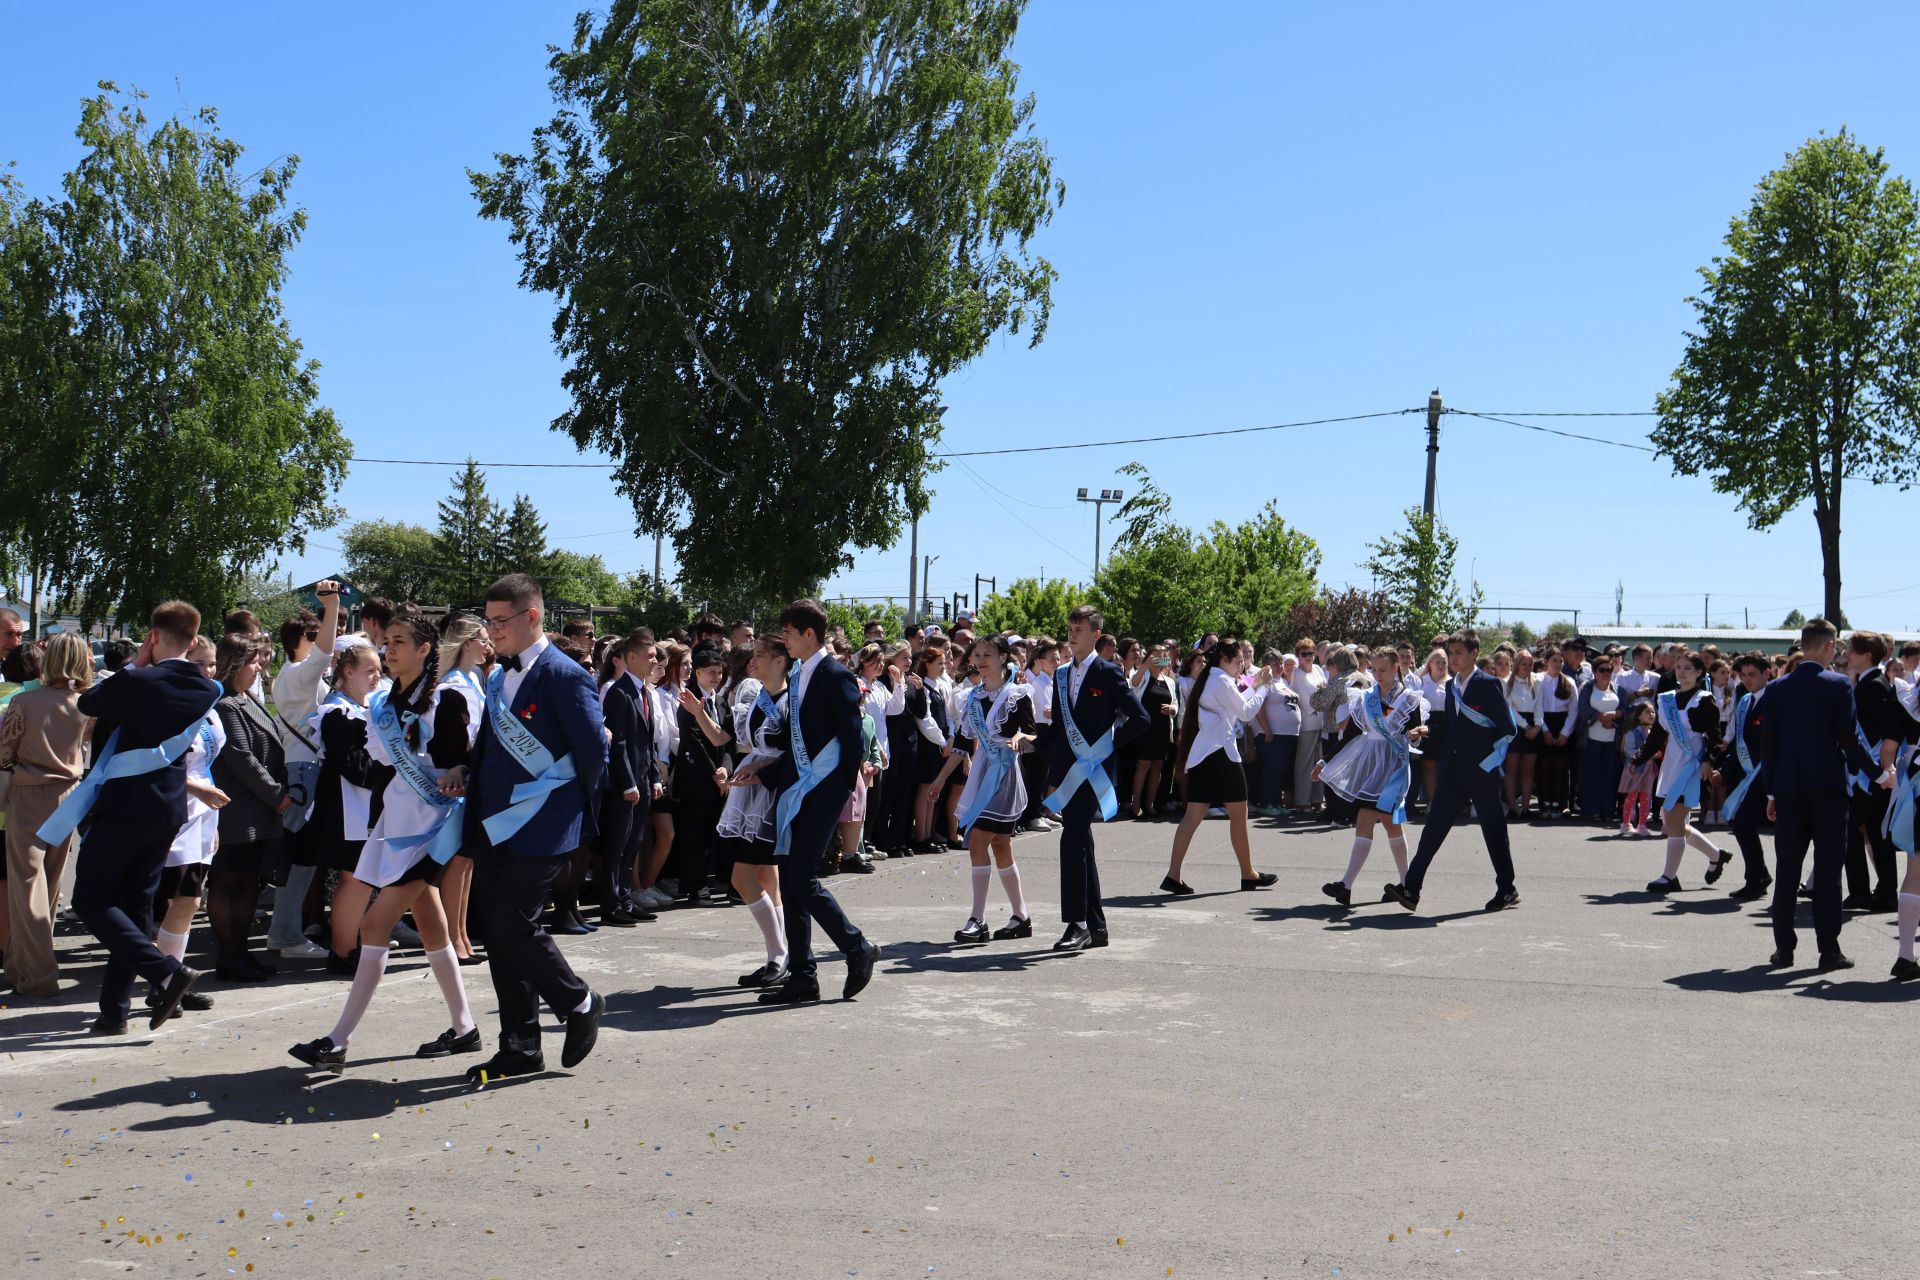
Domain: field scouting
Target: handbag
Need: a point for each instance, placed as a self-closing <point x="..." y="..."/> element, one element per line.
<point x="303" y="780"/>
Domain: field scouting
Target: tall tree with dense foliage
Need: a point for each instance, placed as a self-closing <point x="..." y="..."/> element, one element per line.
<point x="1028" y="606"/>
<point x="523" y="538"/>
<point x="1804" y="369"/>
<point x="773" y="230"/>
<point x="468" y="547"/>
<point x="393" y="559"/>
<point x="1415" y="569"/>
<point x="194" y="447"/>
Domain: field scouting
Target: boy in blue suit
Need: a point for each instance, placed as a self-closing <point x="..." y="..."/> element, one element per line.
<point x="541" y="737"/>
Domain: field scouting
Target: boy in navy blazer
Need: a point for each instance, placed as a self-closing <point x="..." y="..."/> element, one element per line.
<point x="551" y="707"/>
<point x="633" y="780"/>
<point x="1473" y="696"/>
<point x="117" y="872"/>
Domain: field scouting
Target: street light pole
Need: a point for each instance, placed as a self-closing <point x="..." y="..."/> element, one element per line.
<point x="1099" y="503"/>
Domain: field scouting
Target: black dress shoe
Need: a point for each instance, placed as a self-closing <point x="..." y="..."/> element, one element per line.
<point x="1883" y="903"/>
<point x="1014" y="928"/>
<point x="1905" y="970"/>
<point x="767" y="975"/>
<point x="506" y="1063"/>
<point x="446" y="1044"/>
<point x="258" y="965"/>
<point x="238" y="973"/>
<point x="860" y="970"/>
<point x="105" y="1026"/>
<point x="1718" y="865"/>
<point x="1805" y="891"/>
<point x="583" y="1029"/>
<point x="1854" y="902"/>
<point x="322" y="1053"/>
<point x="859" y="866"/>
<point x="1504" y="901"/>
<point x="621" y="918"/>
<point x="171" y="994"/>
<point x="478" y="957"/>
<point x="1386" y="893"/>
<point x="972" y="931"/>
<point x="346" y="966"/>
<point x="1338" y="891"/>
<point x="1178" y="888"/>
<point x="1075" y="938"/>
<point x="572" y="926"/>
<point x="791" y="992"/>
<point x="1831" y="960"/>
<point x="1264" y="880"/>
<point x="1664" y="886"/>
<point x="1751" y="892"/>
<point x="1096" y="939"/>
<point x="192" y="1002"/>
<point x="1406" y="897"/>
<point x="1781" y="959"/>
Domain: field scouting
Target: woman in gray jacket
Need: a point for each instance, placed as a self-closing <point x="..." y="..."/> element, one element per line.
<point x="252" y="770"/>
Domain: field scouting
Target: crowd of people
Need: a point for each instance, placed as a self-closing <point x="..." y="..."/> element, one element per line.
<point x="475" y="786"/>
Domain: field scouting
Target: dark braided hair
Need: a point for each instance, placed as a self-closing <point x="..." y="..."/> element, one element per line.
<point x="416" y="700"/>
<point x="1222" y="649"/>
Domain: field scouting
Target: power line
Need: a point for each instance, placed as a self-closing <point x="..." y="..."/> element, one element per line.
<point x="1625" y="413"/>
<point x="984" y="488"/>
<point x="1553" y="431"/>
<point x="541" y="466"/>
<point x="1181" y="435"/>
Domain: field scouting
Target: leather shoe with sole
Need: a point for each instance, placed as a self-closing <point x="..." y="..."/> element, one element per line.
<point x="1075" y="938"/>
<point x="446" y="1044"/>
<point x="1096" y="939"/>
<point x="1338" y="891"/>
<point x="506" y="1063"/>
<point x="791" y="992"/>
<point x="1833" y="960"/>
<point x="1905" y="970"/>
<point x="1780" y="959"/>
<point x="583" y="1030"/>
<point x="322" y="1053"/>
<point x="105" y="1026"/>
<point x="1504" y="901"/>
<point x="1751" y="892"/>
<point x="860" y="970"/>
<point x="1014" y="928"/>
<point x="767" y="975"/>
<point x="171" y="994"/>
<point x="1404" y="896"/>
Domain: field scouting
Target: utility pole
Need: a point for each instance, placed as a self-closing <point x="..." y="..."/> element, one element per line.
<point x="1433" y="446"/>
<point x="1748" y="615"/>
<point x="1706" y="613"/>
<point x="658" y="540"/>
<point x="1106" y="496"/>
<point x="926" y="570"/>
<point x="913" y="571"/>
<point x="1619" y="600"/>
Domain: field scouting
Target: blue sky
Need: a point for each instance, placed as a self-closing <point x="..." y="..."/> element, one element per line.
<point x="1274" y="213"/>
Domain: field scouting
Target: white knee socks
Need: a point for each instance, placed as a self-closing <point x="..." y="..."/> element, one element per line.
<point x="1357" y="859"/>
<point x="1399" y="846"/>
<point x="1676" y="850"/>
<point x="982" y="880"/>
<point x="171" y="944"/>
<point x="1909" y="922"/>
<point x="373" y="966"/>
<point x="445" y="964"/>
<point x="1010" y="881"/>
<point x="1701" y="843"/>
<point x="773" y="927"/>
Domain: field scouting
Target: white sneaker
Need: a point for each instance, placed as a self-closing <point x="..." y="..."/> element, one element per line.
<point x="1625" y="830"/>
<point x="305" y="951"/>
<point x="1216" y="812"/>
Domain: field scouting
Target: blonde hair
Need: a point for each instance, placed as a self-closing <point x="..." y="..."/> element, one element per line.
<point x="460" y="630"/>
<point x="69" y="660"/>
<point x="201" y="644"/>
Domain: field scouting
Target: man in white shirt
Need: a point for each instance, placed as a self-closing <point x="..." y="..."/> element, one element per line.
<point x="297" y="691"/>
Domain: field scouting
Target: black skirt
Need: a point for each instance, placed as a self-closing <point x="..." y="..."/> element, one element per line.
<point x="189" y="881"/>
<point x="425" y="871"/>
<point x="751" y="853"/>
<point x="1217" y="780"/>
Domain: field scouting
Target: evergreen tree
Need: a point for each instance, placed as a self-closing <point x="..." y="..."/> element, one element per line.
<point x="468" y="544"/>
<point x="523" y="543"/>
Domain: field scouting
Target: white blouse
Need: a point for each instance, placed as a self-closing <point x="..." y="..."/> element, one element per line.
<point x="1523" y="698"/>
<point x="1223" y="709"/>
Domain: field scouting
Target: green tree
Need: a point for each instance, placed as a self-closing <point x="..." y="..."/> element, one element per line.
<point x="1522" y="635"/>
<point x="773" y="231"/>
<point x="583" y="579"/>
<point x="852" y="618"/>
<point x="1415" y="568"/>
<point x="392" y="559"/>
<point x="196" y="449"/>
<point x="653" y="604"/>
<point x="1029" y="606"/>
<point x="467" y="548"/>
<point x="523" y="540"/>
<point x="1264" y="568"/>
<point x="1804" y="369"/>
<point x="1240" y="578"/>
<point x="1793" y="621"/>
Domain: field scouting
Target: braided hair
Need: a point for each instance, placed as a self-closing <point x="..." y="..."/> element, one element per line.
<point x="1218" y="652"/>
<point x="413" y="702"/>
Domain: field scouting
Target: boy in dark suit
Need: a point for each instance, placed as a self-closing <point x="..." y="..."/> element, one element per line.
<point x="149" y="713"/>
<point x="542" y="731"/>
<point x="1887" y="727"/>
<point x="1092" y="696"/>
<point x="633" y="782"/>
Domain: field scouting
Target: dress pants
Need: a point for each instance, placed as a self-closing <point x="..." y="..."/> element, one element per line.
<point x="1079" y="870"/>
<point x="1819" y="818"/>
<point x="1869" y="811"/>
<point x="510" y="890"/>
<point x="1033" y="771"/>
<point x="1306" y="788"/>
<point x="1746" y="833"/>
<point x="33" y="886"/>
<point x="1463" y="780"/>
<point x="804" y="901"/>
<point x="115" y="879"/>
<point x="623" y="827"/>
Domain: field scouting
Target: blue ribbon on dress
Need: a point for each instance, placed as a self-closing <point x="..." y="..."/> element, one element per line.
<point x="1863" y="781"/>
<point x="1393" y="797"/>
<point x="549" y="775"/>
<point x="1685" y="787"/>
<point x="1903" y="815"/>
<point x="443" y="837"/>
<point x="1089" y="760"/>
<point x="999" y="760"/>
<point x="1740" y="710"/>
<point x="110" y="764"/>
<point x="809" y="772"/>
<point x="1498" y="755"/>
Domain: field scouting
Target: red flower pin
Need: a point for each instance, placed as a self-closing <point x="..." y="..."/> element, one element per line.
<point x="528" y="713"/>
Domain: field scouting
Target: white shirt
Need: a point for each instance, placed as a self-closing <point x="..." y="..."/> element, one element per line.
<point x="1076" y="672"/>
<point x="1223" y="708"/>
<point x="297" y="691"/>
<point x="1040" y="687"/>
<point x="1304" y="682"/>
<point x="1603" y="700"/>
<point x="511" y="685"/>
<point x="1523" y="697"/>
<point x="807" y="668"/>
<point x="1636" y="684"/>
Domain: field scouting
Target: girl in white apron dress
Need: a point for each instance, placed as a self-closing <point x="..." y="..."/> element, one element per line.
<point x="746" y="826"/>
<point x="999" y="726"/>
<point x="1686" y="721"/>
<point x="185" y="877"/>
<point x="1374" y="771"/>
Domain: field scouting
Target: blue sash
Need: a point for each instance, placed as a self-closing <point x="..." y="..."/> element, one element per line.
<point x="443" y="837"/>
<point x="808" y="770"/>
<point x="768" y="708"/>
<point x="1089" y="761"/>
<point x="1903" y="815"/>
<point x="1740" y="710"/>
<point x="111" y="764"/>
<point x="1498" y="755"/>
<point x="1685" y="787"/>
<point x="1393" y="797"/>
<point x="1863" y="782"/>
<point x="999" y="761"/>
<point x="549" y="775"/>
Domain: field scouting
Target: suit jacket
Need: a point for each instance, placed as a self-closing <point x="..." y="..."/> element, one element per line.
<point x="1877" y="703"/>
<point x="1808" y="739"/>
<point x="148" y="705"/>
<point x="630" y="759"/>
<point x="558" y="704"/>
<point x="1467" y="744"/>
<point x="251" y="769"/>
<point x="830" y="712"/>
<point x="1106" y="702"/>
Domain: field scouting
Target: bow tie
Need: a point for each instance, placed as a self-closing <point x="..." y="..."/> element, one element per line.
<point x="510" y="662"/>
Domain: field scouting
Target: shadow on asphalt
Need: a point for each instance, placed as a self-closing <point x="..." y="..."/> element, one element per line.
<point x="1335" y="917"/>
<point x="274" y="1095"/>
<point x="670" y="1008"/>
<point x="968" y="957"/>
<point x="1761" y="977"/>
<point x="1164" y="899"/>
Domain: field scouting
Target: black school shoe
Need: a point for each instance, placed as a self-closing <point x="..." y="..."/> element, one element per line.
<point x="446" y="1044"/>
<point x="322" y="1053"/>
